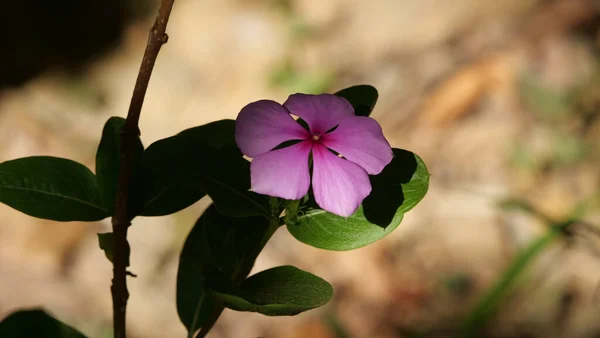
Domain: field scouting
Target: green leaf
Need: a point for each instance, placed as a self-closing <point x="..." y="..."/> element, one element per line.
<point x="362" y="98"/>
<point x="217" y="135"/>
<point x="106" y="242"/>
<point x="36" y="323"/>
<point x="399" y="187"/>
<point x="193" y="160"/>
<point x="325" y="230"/>
<point x="280" y="291"/>
<point x="213" y="251"/>
<point x="163" y="194"/>
<point x="108" y="158"/>
<point x="51" y="188"/>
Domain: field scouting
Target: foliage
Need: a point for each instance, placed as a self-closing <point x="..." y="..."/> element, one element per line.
<point x="219" y="252"/>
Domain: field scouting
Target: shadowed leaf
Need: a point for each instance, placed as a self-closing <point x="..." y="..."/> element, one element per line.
<point x="280" y="291"/>
<point x="214" y="250"/>
<point x="362" y="97"/>
<point x="35" y="323"/>
<point x="51" y="188"/>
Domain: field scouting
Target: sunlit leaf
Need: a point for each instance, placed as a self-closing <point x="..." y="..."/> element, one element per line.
<point x="396" y="190"/>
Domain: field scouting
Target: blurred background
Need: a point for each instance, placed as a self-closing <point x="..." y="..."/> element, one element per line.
<point x="500" y="98"/>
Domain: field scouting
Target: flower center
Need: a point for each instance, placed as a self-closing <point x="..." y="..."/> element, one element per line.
<point x="316" y="137"/>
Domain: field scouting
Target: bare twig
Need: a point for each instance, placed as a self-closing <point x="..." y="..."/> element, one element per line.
<point x="121" y="220"/>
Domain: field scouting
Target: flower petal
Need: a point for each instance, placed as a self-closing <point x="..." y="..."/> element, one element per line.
<point x="360" y="140"/>
<point x="282" y="172"/>
<point x="339" y="185"/>
<point x="321" y="112"/>
<point x="263" y="125"/>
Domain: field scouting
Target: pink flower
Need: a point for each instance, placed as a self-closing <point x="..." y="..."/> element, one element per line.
<point x="339" y="183"/>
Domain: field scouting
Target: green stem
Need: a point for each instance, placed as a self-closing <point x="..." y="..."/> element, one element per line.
<point x="291" y="212"/>
<point x="246" y="266"/>
<point x="491" y="300"/>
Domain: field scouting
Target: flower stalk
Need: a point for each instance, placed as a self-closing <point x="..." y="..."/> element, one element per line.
<point x="291" y="212"/>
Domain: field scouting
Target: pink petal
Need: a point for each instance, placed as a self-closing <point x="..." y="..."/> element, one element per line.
<point x="282" y="172"/>
<point x="321" y="112"/>
<point x="360" y="140"/>
<point x="338" y="184"/>
<point x="263" y="125"/>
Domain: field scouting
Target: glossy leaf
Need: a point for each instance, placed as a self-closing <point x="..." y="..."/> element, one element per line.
<point x="362" y="97"/>
<point x="164" y="195"/>
<point x="213" y="252"/>
<point x="107" y="165"/>
<point x="51" y="188"/>
<point x="325" y="230"/>
<point x="400" y="186"/>
<point x="280" y="291"/>
<point x="217" y="135"/>
<point x="35" y="323"/>
<point x="217" y="167"/>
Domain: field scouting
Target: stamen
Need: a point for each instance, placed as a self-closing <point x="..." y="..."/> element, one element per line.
<point x="316" y="137"/>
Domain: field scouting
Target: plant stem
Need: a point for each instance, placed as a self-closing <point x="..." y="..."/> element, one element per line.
<point x="491" y="299"/>
<point x="246" y="267"/>
<point x="121" y="217"/>
<point x="291" y="212"/>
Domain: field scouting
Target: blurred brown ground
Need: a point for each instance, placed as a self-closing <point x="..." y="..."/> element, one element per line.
<point x="500" y="98"/>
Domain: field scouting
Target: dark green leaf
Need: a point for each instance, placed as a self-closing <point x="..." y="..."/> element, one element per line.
<point x="163" y="194"/>
<point x="213" y="252"/>
<point x="107" y="165"/>
<point x="188" y="159"/>
<point x="400" y="186"/>
<point x="51" y="188"/>
<point x="280" y="291"/>
<point x="106" y="241"/>
<point x="217" y="135"/>
<point x="362" y="98"/>
<point x="35" y="323"/>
